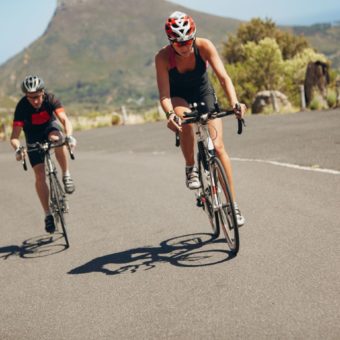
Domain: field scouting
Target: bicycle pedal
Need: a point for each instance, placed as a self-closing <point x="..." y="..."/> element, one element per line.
<point x="65" y="206"/>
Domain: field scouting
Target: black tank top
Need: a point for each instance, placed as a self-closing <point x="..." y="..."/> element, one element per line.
<point x="190" y="84"/>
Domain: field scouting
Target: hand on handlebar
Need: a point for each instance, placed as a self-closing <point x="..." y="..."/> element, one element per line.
<point x="240" y="109"/>
<point x="71" y="141"/>
<point x="20" y="153"/>
<point x="174" y="123"/>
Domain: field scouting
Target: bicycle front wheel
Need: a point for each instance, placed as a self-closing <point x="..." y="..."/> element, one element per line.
<point x="226" y="211"/>
<point x="205" y="197"/>
<point x="59" y="205"/>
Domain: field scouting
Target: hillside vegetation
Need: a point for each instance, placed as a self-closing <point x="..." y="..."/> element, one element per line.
<point x="100" y="53"/>
<point x="262" y="57"/>
<point x="325" y="38"/>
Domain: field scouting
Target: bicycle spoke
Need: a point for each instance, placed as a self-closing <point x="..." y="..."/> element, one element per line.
<point x="58" y="205"/>
<point x="206" y="198"/>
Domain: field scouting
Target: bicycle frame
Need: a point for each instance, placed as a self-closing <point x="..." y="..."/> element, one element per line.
<point x="49" y="165"/>
<point x="57" y="201"/>
<point x="214" y="195"/>
<point x="207" y="154"/>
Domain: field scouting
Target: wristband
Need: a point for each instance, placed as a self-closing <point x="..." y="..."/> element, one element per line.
<point x="169" y="113"/>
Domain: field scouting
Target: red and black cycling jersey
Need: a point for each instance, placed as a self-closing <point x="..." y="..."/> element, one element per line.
<point x="34" y="121"/>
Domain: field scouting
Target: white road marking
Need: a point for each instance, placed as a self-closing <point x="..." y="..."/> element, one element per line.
<point x="288" y="165"/>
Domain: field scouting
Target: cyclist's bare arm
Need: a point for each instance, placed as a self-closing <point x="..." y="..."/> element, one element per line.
<point x="20" y="152"/>
<point x="210" y="54"/>
<point x="15" y="142"/>
<point x="161" y="61"/>
<point x="61" y="115"/>
<point x="163" y="80"/>
<point x="68" y="129"/>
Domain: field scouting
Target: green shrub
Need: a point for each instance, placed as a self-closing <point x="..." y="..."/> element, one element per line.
<point x="318" y="103"/>
<point x="331" y="98"/>
<point x="115" y="119"/>
<point x="152" y="116"/>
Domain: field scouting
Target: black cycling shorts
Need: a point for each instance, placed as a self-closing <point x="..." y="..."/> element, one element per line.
<point x="37" y="157"/>
<point x="209" y="99"/>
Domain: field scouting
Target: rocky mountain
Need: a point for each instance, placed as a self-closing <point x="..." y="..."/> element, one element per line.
<point x="102" y="51"/>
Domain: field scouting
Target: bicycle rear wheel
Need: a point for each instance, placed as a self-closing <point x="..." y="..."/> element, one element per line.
<point x="206" y="198"/>
<point x="226" y="212"/>
<point x="59" y="205"/>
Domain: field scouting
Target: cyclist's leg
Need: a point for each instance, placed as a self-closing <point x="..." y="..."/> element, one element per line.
<point x="41" y="186"/>
<point x="187" y="135"/>
<point x="43" y="194"/>
<point x="187" y="139"/>
<point x="54" y="134"/>
<point x="216" y="132"/>
<point x="60" y="153"/>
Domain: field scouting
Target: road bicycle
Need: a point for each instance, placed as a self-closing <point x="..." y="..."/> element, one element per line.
<point x="58" y="200"/>
<point x="214" y="195"/>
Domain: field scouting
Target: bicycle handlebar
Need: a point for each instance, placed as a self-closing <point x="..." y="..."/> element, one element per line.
<point x="196" y="116"/>
<point x="37" y="146"/>
<point x="23" y="159"/>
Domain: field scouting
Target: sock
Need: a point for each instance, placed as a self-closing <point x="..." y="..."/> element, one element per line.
<point x="67" y="173"/>
<point x="188" y="168"/>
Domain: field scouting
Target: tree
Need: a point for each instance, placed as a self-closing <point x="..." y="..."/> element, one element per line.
<point x="255" y="31"/>
<point x="261" y="69"/>
<point x="264" y="63"/>
<point x="262" y="57"/>
<point x="294" y="71"/>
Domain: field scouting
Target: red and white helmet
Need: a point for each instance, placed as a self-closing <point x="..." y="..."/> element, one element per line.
<point x="180" y="27"/>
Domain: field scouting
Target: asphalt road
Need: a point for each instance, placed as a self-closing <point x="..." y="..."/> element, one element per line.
<point x="141" y="262"/>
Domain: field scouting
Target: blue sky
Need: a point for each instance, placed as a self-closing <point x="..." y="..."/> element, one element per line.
<point x="23" y="21"/>
<point x="283" y="12"/>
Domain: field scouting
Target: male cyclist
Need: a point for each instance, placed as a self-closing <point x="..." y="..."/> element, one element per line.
<point x="182" y="80"/>
<point x="36" y="113"/>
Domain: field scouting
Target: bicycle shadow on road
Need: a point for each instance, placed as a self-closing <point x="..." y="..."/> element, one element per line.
<point x="38" y="246"/>
<point x="193" y="250"/>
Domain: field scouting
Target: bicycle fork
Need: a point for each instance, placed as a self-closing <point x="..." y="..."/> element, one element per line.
<point x="211" y="190"/>
<point x="63" y="201"/>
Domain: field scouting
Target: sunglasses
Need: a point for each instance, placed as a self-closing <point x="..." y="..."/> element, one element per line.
<point x="183" y="43"/>
<point x="37" y="96"/>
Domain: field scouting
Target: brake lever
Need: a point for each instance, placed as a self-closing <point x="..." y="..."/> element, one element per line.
<point x="241" y="123"/>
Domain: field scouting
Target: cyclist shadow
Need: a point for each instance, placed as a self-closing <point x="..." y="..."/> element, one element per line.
<point x="8" y="251"/>
<point x="38" y="246"/>
<point x="193" y="250"/>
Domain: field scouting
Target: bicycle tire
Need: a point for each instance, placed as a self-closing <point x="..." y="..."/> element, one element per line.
<point x="58" y="205"/>
<point x="226" y="212"/>
<point x="206" y="199"/>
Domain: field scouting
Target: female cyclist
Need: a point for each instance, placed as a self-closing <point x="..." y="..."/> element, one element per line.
<point x="182" y="80"/>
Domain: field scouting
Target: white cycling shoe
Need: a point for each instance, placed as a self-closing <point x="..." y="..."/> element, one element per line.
<point x="240" y="219"/>
<point x="192" y="178"/>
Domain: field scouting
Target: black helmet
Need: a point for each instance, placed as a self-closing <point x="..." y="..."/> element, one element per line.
<point x="32" y="84"/>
